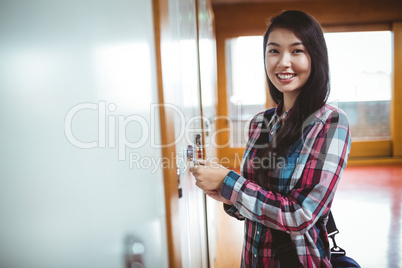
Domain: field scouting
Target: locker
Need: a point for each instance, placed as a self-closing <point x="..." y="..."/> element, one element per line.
<point x="84" y="169"/>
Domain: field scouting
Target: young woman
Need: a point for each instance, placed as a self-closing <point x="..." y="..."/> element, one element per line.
<point x="295" y="155"/>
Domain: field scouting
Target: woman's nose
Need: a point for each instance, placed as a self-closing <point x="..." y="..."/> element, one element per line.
<point x="284" y="61"/>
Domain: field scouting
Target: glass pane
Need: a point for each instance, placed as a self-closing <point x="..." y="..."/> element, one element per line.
<point x="361" y="82"/>
<point x="361" y="69"/>
<point x="245" y="85"/>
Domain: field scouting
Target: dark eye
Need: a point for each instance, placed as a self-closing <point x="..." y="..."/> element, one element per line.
<point x="273" y="51"/>
<point x="297" y="51"/>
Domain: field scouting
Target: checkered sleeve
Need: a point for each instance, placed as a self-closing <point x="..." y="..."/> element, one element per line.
<point x="232" y="210"/>
<point x="320" y="165"/>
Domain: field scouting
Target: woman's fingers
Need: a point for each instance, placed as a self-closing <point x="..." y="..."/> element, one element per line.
<point x="194" y="169"/>
<point x="203" y="162"/>
<point x="209" y="176"/>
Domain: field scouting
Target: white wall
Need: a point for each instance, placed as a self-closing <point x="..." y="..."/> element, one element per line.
<point x="62" y="205"/>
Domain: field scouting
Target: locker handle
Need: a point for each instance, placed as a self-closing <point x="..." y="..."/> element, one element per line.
<point x="190" y="154"/>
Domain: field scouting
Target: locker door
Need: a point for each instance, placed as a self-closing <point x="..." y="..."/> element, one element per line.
<point x="181" y="85"/>
<point x="81" y="183"/>
<point x="208" y="80"/>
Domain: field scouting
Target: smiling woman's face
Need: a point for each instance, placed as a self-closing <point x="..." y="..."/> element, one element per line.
<point x="287" y="61"/>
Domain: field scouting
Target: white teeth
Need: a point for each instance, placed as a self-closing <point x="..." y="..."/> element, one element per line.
<point x="285" y="76"/>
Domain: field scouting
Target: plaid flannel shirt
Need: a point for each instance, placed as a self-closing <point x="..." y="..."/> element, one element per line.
<point x="300" y="191"/>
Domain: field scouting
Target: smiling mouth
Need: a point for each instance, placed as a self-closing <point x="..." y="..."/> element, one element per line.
<point x="285" y="76"/>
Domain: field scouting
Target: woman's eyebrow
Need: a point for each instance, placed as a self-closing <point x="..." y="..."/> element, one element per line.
<point x="277" y="45"/>
<point x="297" y="44"/>
<point x="273" y="44"/>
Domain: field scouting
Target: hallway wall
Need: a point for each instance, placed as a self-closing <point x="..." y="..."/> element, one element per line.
<point x="78" y="179"/>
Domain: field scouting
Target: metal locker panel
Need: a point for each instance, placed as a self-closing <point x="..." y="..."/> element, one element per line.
<point x="180" y="70"/>
<point x="81" y="181"/>
<point x="208" y="80"/>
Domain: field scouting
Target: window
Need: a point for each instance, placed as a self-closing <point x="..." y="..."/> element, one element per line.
<point x="361" y="75"/>
<point x="361" y="82"/>
<point x="245" y="85"/>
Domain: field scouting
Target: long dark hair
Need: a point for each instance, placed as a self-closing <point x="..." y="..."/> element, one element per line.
<point x="314" y="93"/>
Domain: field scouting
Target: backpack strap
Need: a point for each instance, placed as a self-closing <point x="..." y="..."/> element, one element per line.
<point x="332" y="231"/>
<point x="331" y="226"/>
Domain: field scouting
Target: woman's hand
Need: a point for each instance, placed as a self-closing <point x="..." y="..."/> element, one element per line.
<point x="209" y="176"/>
<point x="217" y="196"/>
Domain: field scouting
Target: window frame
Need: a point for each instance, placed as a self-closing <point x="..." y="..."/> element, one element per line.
<point x="387" y="151"/>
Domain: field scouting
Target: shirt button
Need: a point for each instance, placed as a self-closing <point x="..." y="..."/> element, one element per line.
<point x="258" y="232"/>
<point x="255" y="255"/>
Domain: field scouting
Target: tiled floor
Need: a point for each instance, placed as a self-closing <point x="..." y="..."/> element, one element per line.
<point x="368" y="213"/>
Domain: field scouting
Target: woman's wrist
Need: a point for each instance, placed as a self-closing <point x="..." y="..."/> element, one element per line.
<point x="227" y="202"/>
<point x="224" y="173"/>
